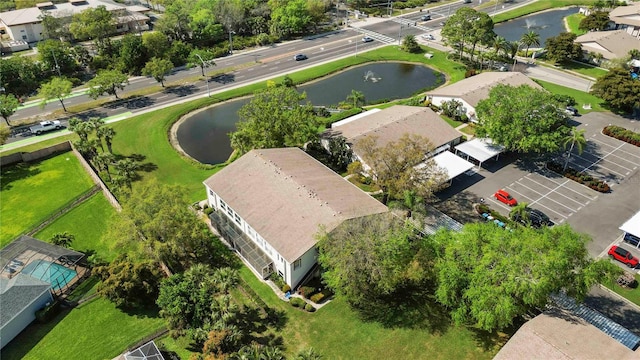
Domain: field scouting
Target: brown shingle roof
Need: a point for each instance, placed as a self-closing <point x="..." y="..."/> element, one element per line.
<point x="392" y="123"/>
<point x="285" y="195"/>
<point x="628" y="15"/>
<point x="476" y="88"/>
<point x="557" y="334"/>
<point x="616" y="43"/>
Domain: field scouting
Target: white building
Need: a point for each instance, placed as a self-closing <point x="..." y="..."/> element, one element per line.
<point x="270" y="204"/>
<point x="475" y="88"/>
<point x="26" y="24"/>
<point x="627" y="18"/>
<point x="610" y="44"/>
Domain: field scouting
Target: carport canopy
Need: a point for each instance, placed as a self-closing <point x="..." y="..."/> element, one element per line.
<point x="480" y="149"/>
<point x="632" y="226"/>
<point x="453" y="164"/>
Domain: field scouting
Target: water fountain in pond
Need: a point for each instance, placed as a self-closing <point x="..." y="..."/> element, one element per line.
<point x="370" y="76"/>
<point x="531" y="24"/>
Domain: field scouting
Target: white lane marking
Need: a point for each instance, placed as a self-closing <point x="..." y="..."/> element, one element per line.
<point x="604" y="167"/>
<point x="545" y="196"/>
<point x="240" y="76"/>
<point x="559" y="193"/>
<point x="162" y="97"/>
<point x="521" y="195"/>
<point x="273" y="68"/>
<point x="569" y="188"/>
<point x="622" y="151"/>
<point x="602" y="158"/>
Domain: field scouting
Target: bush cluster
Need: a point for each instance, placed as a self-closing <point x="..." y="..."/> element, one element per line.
<point x="307" y="291"/>
<point x="299" y="303"/>
<point x="580" y="177"/>
<point x="317" y="298"/>
<point x="482" y="208"/>
<point x="208" y="210"/>
<point x="623" y="134"/>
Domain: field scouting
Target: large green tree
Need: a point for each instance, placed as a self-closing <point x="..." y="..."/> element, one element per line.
<point x="468" y="27"/>
<point x="289" y="17"/>
<point x="129" y="282"/>
<point x="596" y="20"/>
<point x="488" y="276"/>
<point x="563" y="48"/>
<point x="274" y="118"/>
<point x="57" y="88"/>
<point x="156" y="44"/>
<point x="522" y="119"/>
<point x="156" y="223"/>
<point x="530" y="39"/>
<point x="93" y="23"/>
<point x="8" y="106"/>
<point x="395" y="169"/>
<point x="368" y="257"/>
<point x="133" y="54"/>
<point x="107" y="82"/>
<point x="158" y="69"/>
<point x="20" y="75"/>
<point x="618" y="90"/>
<point x="57" y="57"/>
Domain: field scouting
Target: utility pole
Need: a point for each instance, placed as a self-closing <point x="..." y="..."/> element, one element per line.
<point x="400" y="35"/>
<point x="231" y="32"/>
<point x="206" y="79"/>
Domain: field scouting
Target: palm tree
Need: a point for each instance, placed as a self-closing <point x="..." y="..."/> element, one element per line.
<point x="499" y="43"/>
<point x="512" y="49"/>
<point x="62" y="239"/>
<point x="225" y="279"/>
<point x="102" y="161"/>
<point x="356" y="97"/>
<point x="108" y="133"/>
<point x="520" y="211"/>
<point x="86" y="148"/>
<point x="530" y="39"/>
<point x="575" y="138"/>
<point x="411" y="201"/>
<point x="126" y="169"/>
<point x="80" y="127"/>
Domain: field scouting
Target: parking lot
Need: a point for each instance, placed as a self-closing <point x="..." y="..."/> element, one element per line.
<point x="565" y="201"/>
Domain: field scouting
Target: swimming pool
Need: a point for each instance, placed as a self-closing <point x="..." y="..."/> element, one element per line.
<point x="55" y="274"/>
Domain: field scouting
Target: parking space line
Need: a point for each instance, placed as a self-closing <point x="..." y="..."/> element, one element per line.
<point x="575" y="191"/>
<point x="604" y="167"/>
<point x="521" y="195"/>
<point x="545" y="196"/>
<point x="561" y="194"/>
<point x="613" y="146"/>
<point x="499" y="203"/>
<point x="603" y="157"/>
<point x="633" y="162"/>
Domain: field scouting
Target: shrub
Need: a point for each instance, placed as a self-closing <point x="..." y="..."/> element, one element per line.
<point x="470" y="73"/>
<point x="622" y="134"/>
<point x="208" y="210"/>
<point x="307" y="291"/>
<point x="285" y="288"/>
<point x="297" y="302"/>
<point x="309" y="308"/>
<point x="317" y="298"/>
<point x="579" y="177"/>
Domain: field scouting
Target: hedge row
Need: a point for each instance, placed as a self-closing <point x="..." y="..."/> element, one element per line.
<point x="623" y="134"/>
<point x="580" y="177"/>
<point x="299" y="303"/>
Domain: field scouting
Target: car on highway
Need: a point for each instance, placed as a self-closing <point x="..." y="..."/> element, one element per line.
<point x="367" y="39"/>
<point x="428" y="37"/>
<point x="300" y="57"/>
<point x="505" y="197"/>
<point x="534" y="217"/>
<point x="425" y="17"/>
<point x="623" y="255"/>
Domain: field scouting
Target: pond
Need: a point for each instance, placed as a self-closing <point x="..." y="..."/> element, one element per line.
<point x="546" y="24"/>
<point x="204" y="135"/>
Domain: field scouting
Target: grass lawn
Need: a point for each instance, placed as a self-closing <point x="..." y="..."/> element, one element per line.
<point x="31" y="192"/>
<point x="573" y="21"/>
<point x="96" y="330"/>
<point x="337" y="333"/>
<point x="538" y="6"/>
<point x="632" y="295"/>
<point x="580" y="96"/>
<point x="88" y="222"/>
<point x="585" y="69"/>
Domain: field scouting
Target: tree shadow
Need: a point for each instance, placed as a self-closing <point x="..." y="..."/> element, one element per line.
<point x="139" y="102"/>
<point x="616" y="310"/>
<point x="19" y="171"/>
<point x="409" y="307"/>
<point x="181" y="90"/>
<point x="491" y="340"/>
<point x="224" y="78"/>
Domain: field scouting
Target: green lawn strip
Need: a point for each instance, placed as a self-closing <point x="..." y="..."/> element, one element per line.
<point x="179" y="346"/>
<point x="96" y="330"/>
<point x="581" y="97"/>
<point x="88" y="222"/>
<point x="537" y="6"/>
<point x="632" y="295"/>
<point x="337" y="333"/>
<point x="573" y="21"/>
<point x="33" y="191"/>
<point x="585" y="69"/>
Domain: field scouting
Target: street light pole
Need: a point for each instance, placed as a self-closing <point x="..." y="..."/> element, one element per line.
<point x="56" y="62"/>
<point x="206" y="79"/>
<point x="400" y="35"/>
<point x="231" y="32"/>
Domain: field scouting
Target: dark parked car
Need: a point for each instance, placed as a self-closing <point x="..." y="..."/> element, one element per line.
<point x="633" y="240"/>
<point x="571" y="110"/>
<point x="299" y="57"/>
<point x="536" y="218"/>
<point x="624" y="256"/>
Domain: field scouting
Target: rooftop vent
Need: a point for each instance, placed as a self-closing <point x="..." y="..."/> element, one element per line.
<point x="78" y="2"/>
<point x="44" y="5"/>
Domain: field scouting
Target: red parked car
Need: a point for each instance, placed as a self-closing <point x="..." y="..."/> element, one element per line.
<point x="504" y="197"/>
<point x="624" y="256"/>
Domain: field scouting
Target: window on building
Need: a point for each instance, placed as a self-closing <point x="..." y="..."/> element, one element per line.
<point x="210" y="192"/>
<point x="229" y="211"/>
<point x="223" y="206"/>
<point x="238" y="218"/>
<point x="297" y="264"/>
